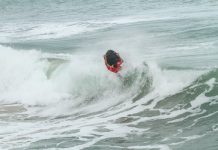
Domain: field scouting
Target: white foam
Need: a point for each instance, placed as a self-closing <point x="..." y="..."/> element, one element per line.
<point x="201" y="99"/>
<point x="23" y="77"/>
<point x="161" y="147"/>
<point x="168" y="82"/>
<point x="24" y="80"/>
<point x="38" y="31"/>
<point x="44" y="30"/>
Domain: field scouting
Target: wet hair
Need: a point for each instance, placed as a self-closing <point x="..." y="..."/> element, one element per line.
<point x="112" y="58"/>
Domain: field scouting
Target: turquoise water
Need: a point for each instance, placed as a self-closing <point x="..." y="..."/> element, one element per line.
<point x="57" y="94"/>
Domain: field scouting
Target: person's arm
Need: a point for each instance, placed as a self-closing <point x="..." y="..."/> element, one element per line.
<point x="108" y="66"/>
<point x="105" y="61"/>
<point x="121" y="60"/>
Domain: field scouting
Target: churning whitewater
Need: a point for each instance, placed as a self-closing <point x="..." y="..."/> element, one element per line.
<point x="56" y="93"/>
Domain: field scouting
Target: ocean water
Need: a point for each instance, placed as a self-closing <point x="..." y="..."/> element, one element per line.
<point x="56" y="93"/>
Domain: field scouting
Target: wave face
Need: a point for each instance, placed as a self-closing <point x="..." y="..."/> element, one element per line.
<point x="56" y="92"/>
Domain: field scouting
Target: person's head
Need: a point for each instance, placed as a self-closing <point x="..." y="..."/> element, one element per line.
<point x="112" y="58"/>
<point x="110" y="52"/>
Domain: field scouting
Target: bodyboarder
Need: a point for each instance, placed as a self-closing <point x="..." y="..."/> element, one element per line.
<point x="113" y="61"/>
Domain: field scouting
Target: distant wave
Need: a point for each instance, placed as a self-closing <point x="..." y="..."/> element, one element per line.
<point x="39" y="31"/>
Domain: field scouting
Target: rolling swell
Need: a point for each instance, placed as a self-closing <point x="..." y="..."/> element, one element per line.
<point x="205" y="85"/>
